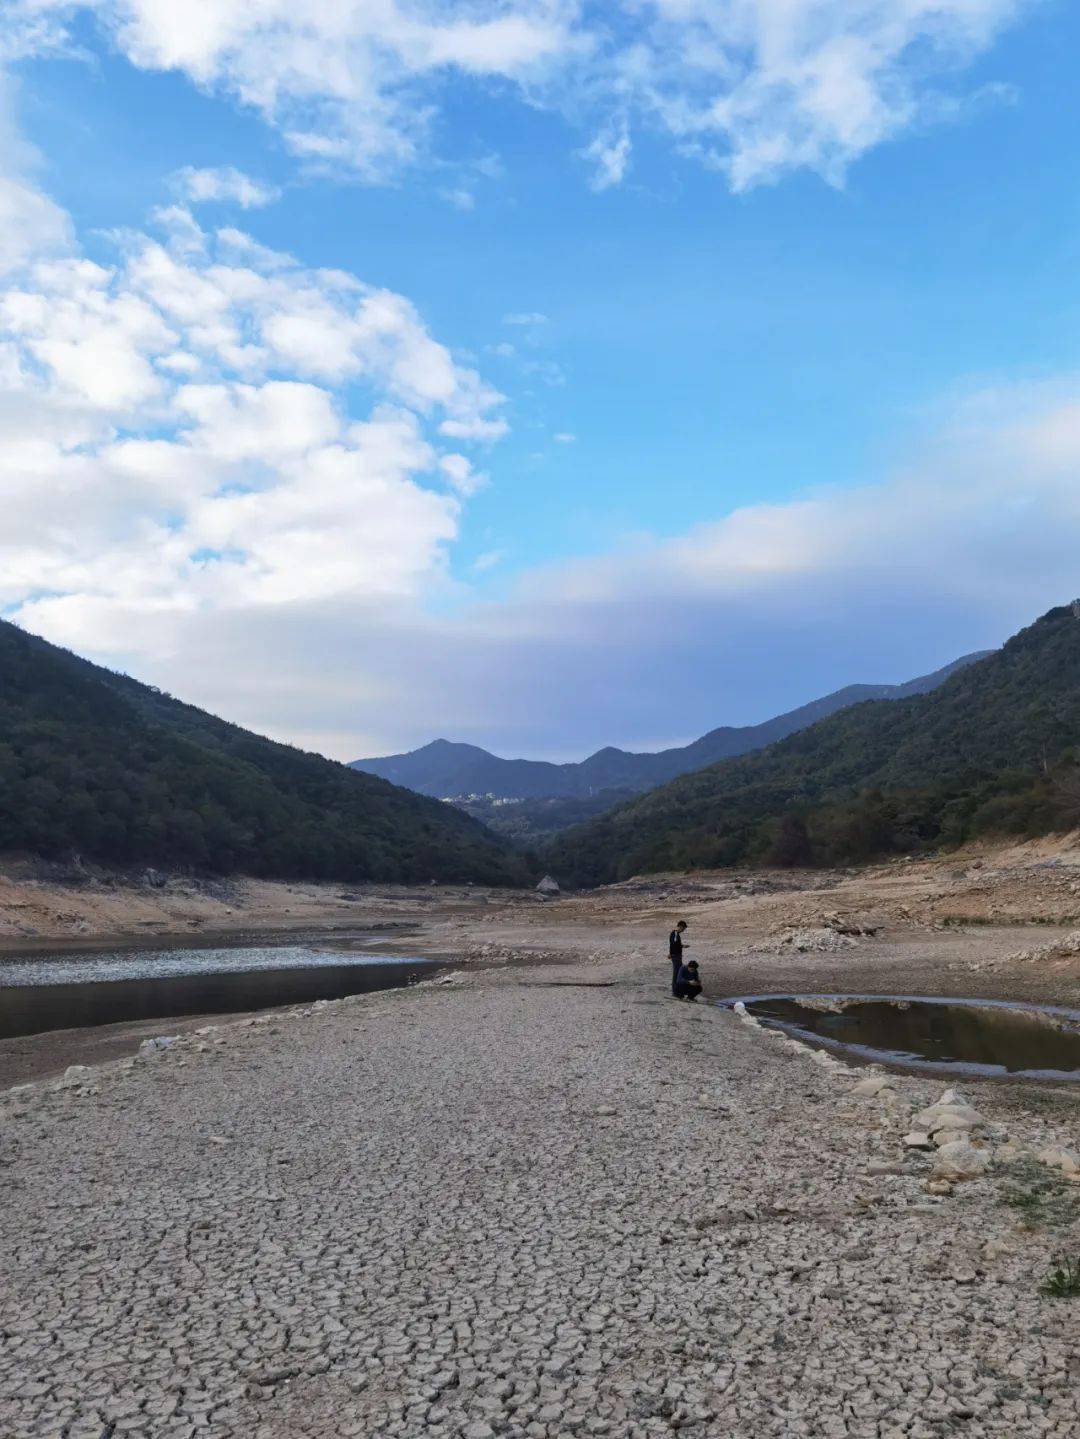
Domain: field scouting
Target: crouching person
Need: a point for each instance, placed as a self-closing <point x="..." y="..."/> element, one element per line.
<point x="688" y="984"/>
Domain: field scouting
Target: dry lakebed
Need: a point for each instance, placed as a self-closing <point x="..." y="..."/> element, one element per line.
<point x="532" y="1195"/>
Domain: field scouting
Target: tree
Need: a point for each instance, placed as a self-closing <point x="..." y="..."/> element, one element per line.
<point x="792" y="848"/>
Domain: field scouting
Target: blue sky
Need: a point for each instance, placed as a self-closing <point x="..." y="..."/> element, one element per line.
<point x="854" y="291"/>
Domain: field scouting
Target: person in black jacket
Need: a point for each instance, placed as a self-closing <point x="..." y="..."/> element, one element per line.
<point x="675" y="949"/>
<point x="688" y="983"/>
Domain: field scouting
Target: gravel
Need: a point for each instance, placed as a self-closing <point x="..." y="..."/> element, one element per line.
<point x="502" y="1207"/>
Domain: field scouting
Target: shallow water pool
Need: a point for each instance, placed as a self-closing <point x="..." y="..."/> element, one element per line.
<point x="973" y="1036"/>
<point x="72" y="991"/>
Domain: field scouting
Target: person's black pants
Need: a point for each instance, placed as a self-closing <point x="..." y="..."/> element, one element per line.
<point x="676" y="965"/>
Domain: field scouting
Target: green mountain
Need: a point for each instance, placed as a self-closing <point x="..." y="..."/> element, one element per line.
<point x="990" y="750"/>
<point x="96" y="763"/>
<point x="454" y="771"/>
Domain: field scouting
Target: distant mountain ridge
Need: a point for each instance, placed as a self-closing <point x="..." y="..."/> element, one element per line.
<point x="446" y="770"/>
<point x="995" y="749"/>
<point x="96" y="763"/>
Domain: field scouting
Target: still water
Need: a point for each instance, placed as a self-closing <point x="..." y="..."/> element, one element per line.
<point x="69" y="991"/>
<point x="977" y="1036"/>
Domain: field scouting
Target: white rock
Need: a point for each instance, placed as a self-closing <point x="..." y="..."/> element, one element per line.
<point x="874" y="1085"/>
<point x="948" y="1116"/>
<point x="158" y="1043"/>
<point x="937" y="1186"/>
<point x="918" y="1140"/>
<point x="1056" y="1158"/>
<point x="960" y="1160"/>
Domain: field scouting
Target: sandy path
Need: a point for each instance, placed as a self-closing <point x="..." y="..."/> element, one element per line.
<point x="507" y="1206"/>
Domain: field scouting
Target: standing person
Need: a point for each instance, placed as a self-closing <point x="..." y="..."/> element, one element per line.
<point x="675" y="949"/>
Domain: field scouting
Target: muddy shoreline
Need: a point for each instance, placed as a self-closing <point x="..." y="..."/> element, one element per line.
<point x="745" y="928"/>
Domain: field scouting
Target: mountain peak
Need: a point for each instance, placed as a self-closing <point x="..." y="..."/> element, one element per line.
<point x="448" y="769"/>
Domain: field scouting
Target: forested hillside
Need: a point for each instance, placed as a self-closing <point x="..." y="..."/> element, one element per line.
<point x="991" y="750"/>
<point x="97" y="763"/>
<point x="453" y="771"/>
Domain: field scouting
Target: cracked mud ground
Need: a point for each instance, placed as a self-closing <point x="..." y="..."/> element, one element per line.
<point x="506" y="1207"/>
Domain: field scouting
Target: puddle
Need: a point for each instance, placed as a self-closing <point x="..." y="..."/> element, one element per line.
<point x="957" y="1036"/>
<point x="52" y="992"/>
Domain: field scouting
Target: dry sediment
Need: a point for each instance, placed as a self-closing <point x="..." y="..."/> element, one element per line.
<point x="503" y="1207"/>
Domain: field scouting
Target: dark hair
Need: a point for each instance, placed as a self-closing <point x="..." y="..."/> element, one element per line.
<point x="680" y="924"/>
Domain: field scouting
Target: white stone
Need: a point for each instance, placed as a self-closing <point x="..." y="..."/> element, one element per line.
<point x="948" y="1116"/>
<point x="918" y="1140"/>
<point x="874" y="1085"/>
<point x="158" y="1043"/>
<point x="1056" y="1158"/>
<point x="960" y="1160"/>
<point x="937" y="1186"/>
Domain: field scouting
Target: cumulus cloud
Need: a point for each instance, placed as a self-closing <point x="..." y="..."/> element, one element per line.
<point x="649" y="645"/>
<point x="30" y="222"/>
<point x="223" y="183"/>
<point x="206" y="424"/>
<point x="754" y="88"/>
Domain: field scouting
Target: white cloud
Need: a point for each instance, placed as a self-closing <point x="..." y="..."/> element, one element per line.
<point x="753" y="88"/>
<point x="564" y="437"/>
<point x="206" y="425"/>
<point x="489" y="560"/>
<point x="609" y="155"/>
<point x="225" y="183"/>
<point x="460" y="198"/>
<point x="529" y="318"/>
<point x="30" y="222"/>
<point x="740" y="618"/>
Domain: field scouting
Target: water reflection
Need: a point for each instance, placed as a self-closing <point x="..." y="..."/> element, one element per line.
<point x="74" y="991"/>
<point x="973" y="1036"/>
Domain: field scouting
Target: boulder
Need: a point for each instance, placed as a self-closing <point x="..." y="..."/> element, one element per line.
<point x="876" y="1084"/>
<point x="941" y="1187"/>
<point x="958" y="1117"/>
<point x="158" y="1043"/>
<point x="548" y="885"/>
<point x="918" y="1140"/>
<point x="1064" y="1159"/>
<point x="960" y="1160"/>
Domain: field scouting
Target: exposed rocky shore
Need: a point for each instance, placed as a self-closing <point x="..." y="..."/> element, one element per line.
<point x="526" y="1202"/>
<point x="546" y="1200"/>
